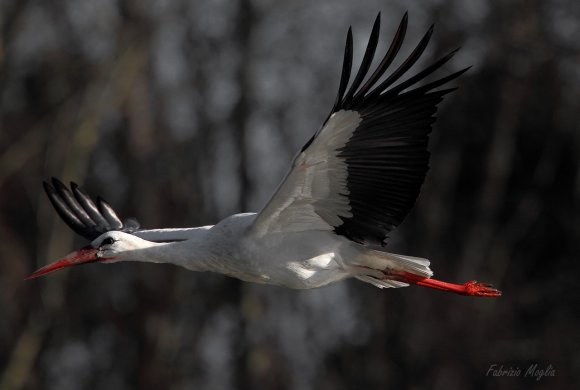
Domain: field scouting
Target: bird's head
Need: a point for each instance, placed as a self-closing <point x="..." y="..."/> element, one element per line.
<point x="109" y="247"/>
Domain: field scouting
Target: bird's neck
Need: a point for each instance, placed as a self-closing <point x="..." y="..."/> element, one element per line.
<point x="195" y="253"/>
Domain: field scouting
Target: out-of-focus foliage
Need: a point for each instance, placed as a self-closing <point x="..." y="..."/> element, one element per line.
<point x="183" y="112"/>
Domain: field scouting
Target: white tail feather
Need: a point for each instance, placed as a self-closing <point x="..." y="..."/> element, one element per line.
<point x="375" y="263"/>
<point x="381" y="283"/>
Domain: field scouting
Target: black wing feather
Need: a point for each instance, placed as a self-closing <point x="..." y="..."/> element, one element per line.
<point x="87" y="204"/>
<point x="346" y="68"/>
<point x="81" y="214"/>
<point x="63" y="210"/>
<point x="109" y="214"/>
<point x="367" y="59"/>
<point x="405" y="66"/>
<point x="72" y="204"/>
<point x="391" y="54"/>
<point x="386" y="156"/>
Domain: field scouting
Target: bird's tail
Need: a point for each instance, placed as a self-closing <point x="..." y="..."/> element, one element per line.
<point x="376" y="267"/>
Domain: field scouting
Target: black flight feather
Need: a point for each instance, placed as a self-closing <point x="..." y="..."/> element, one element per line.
<point x="346" y="68"/>
<point x="367" y="59"/>
<point x="386" y="156"/>
<point x="81" y="214"/>
<point x="387" y="59"/>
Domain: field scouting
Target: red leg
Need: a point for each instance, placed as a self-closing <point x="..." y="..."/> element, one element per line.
<point x="471" y="288"/>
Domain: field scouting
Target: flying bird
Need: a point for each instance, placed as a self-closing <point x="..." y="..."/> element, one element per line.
<point x="351" y="184"/>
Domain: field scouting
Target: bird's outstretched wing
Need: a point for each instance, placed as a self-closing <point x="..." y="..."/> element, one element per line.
<point x="361" y="173"/>
<point x="87" y="218"/>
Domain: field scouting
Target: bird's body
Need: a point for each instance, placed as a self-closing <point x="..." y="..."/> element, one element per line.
<point x="295" y="260"/>
<point x="353" y="182"/>
<point x="299" y="260"/>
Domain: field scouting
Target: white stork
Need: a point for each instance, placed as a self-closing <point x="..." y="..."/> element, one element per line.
<point x="355" y="180"/>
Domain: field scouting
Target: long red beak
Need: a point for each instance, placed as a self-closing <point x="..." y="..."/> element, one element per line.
<point x="87" y="254"/>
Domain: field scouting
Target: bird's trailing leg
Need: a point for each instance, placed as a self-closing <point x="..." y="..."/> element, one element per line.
<point x="471" y="288"/>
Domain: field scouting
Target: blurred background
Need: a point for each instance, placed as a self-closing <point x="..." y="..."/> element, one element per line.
<point x="183" y="112"/>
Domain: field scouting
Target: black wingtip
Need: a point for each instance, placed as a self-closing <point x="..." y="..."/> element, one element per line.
<point x="377" y="25"/>
<point x="388" y="58"/>
<point x="62" y="208"/>
<point x="109" y="213"/>
<point x="450" y="55"/>
<point x="406" y="65"/>
<point x="346" y="69"/>
<point x="460" y="72"/>
<point x="374" y="90"/>
<point x="46" y="186"/>
<point x="81" y="214"/>
<point x="59" y="186"/>
<point x="365" y="64"/>
<point x="88" y="205"/>
<point x="425" y="40"/>
<point x="57" y="183"/>
<point x="349" y="38"/>
<point x="404" y="20"/>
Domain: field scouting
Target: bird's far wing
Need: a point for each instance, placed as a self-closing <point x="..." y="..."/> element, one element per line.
<point x="361" y="173"/>
<point x="82" y="215"/>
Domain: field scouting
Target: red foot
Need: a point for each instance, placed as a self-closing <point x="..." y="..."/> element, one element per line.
<point x="476" y="289"/>
<point x="471" y="288"/>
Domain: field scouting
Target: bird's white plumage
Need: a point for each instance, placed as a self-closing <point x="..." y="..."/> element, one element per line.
<point x="164" y="235"/>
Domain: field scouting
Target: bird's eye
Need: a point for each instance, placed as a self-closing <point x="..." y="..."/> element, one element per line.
<point x="108" y="241"/>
